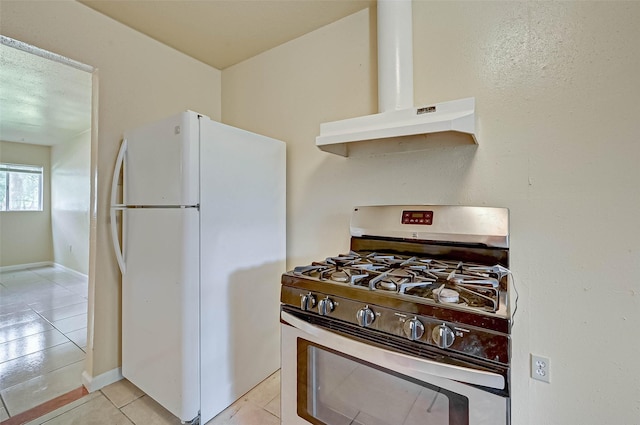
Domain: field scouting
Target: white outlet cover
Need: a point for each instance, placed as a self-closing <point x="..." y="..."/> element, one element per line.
<point x="540" y="369"/>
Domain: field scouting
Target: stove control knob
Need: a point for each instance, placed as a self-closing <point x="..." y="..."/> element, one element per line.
<point x="443" y="336"/>
<point x="413" y="329"/>
<point x="307" y="302"/>
<point x="325" y="306"/>
<point x="365" y="316"/>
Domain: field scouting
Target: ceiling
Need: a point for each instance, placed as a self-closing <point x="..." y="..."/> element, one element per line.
<point x="222" y="33"/>
<point x="43" y="101"/>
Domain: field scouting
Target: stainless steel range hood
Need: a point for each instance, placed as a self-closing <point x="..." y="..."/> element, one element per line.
<point x="398" y="118"/>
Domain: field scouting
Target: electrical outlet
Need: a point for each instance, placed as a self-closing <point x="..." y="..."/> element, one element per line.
<point x="540" y="368"/>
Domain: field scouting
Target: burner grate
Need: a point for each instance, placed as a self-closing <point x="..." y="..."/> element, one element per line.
<point x="447" y="282"/>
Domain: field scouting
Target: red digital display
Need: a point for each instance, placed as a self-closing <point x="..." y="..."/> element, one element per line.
<point x="417" y="217"/>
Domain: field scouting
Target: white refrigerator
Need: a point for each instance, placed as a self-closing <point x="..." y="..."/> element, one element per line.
<point x="202" y="250"/>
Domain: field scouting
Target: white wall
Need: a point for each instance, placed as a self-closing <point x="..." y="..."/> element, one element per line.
<point x="25" y="236"/>
<point x="139" y="80"/>
<point x="556" y="86"/>
<point x="70" y="201"/>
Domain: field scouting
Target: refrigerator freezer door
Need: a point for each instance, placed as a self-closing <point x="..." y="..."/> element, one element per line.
<point x="160" y="306"/>
<point x="161" y="162"/>
<point x="243" y="258"/>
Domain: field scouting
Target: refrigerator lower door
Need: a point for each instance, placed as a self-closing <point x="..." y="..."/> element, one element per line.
<point x="160" y="306"/>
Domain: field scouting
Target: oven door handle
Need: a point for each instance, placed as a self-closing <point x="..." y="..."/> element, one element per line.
<point x="409" y="365"/>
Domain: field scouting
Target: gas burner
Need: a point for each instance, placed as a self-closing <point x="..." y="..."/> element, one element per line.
<point x="340" y="276"/>
<point x="386" y="285"/>
<point x="445" y="295"/>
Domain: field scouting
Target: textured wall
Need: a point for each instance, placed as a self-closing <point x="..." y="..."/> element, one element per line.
<point x="70" y="202"/>
<point x="556" y="87"/>
<point x="25" y="236"/>
<point x="139" y="80"/>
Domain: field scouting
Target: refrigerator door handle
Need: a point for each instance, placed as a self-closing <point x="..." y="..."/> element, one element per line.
<point x="117" y="248"/>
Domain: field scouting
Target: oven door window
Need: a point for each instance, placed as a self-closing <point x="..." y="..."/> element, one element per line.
<point x="335" y="389"/>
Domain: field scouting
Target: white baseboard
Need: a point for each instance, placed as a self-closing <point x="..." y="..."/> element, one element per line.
<point x="67" y="269"/>
<point x="94" y="383"/>
<point x="40" y="264"/>
<point x="25" y="266"/>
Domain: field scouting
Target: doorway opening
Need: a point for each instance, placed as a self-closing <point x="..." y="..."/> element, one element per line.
<point x="49" y="116"/>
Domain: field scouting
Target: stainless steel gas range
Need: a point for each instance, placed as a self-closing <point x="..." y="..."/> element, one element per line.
<point x="410" y="326"/>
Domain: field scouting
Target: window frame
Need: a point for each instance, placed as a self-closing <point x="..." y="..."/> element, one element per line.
<point x="12" y="168"/>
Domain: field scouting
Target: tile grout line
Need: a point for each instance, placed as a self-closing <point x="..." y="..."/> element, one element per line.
<point x="36" y="377"/>
<point x="4" y="405"/>
<point x="23" y="322"/>
<point x="59" y="330"/>
<point x="124" y="413"/>
<point x="32" y="335"/>
<point x="54" y="326"/>
<point x="125" y="405"/>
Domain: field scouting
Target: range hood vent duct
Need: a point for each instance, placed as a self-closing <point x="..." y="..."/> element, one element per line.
<point x="398" y="117"/>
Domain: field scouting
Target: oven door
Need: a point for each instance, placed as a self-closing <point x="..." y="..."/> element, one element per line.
<point x="328" y="379"/>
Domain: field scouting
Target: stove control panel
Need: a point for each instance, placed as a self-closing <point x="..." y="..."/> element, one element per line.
<point x="470" y="340"/>
<point x="417" y="217"/>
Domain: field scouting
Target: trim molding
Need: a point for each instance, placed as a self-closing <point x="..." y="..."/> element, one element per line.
<point x="67" y="269"/>
<point x="94" y="383"/>
<point x="16" y="44"/>
<point x="26" y="266"/>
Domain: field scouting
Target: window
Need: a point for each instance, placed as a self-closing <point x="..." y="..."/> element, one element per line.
<point x="20" y="187"/>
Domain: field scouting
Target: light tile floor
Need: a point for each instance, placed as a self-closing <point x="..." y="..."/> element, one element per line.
<point x="43" y="336"/>
<point x="123" y="403"/>
<point x="43" y="320"/>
